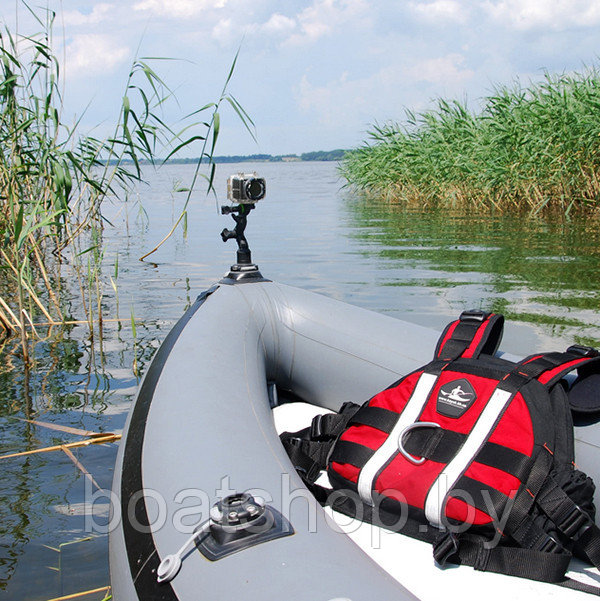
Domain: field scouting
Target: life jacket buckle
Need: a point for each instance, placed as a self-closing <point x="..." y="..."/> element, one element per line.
<point x="316" y="427"/>
<point x="474" y="315"/>
<point x="323" y="427"/>
<point x="445" y="547"/>
<point x="583" y="351"/>
<point x="576" y="523"/>
<point x="551" y="545"/>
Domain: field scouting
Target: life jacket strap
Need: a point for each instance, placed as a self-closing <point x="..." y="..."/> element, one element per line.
<point x="472" y="334"/>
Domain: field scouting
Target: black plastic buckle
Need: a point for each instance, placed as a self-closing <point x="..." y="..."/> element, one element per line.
<point x="583" y="351"/>
<point x="310" y="473"/>
<point x="576" y="524"/>
<point x="316" y="428"/>
<point x="293" y="441"/>
<point x="474" y="315"/>
<point x="551" y="545"/>
<point x="349" y="406"/>
<point x="444" y="548"/>
<point x="319" y="430"/>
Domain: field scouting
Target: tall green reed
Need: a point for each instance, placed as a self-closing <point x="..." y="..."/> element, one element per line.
<point x="53" y="179"/>
<point x="535" y="148"/>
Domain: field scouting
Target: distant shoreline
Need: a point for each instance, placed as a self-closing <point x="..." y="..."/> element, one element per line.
<point x="318" y="155"/>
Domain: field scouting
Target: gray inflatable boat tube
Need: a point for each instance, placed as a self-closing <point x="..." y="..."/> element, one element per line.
<point x="202" y="427"/>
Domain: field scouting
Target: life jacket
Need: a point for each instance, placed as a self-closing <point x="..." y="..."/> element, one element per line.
<point x="472" y="452"/>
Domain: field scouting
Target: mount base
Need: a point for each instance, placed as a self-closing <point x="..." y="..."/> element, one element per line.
<point x="273" y="526"/>
<point x="242" y="273"/>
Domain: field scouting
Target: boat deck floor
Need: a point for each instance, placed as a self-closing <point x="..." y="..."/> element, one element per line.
<point x="410" y="561"/>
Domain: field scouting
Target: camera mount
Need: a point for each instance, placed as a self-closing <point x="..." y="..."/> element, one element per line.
<point x="240" y="216"/>
<point x="244" y="270"/>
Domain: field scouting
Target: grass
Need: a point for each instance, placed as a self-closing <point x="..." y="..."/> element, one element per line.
<point x="533" y="149"/>
<point x="54" y="179"/>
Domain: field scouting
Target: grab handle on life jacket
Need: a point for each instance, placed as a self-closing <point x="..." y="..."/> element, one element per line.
<point x="409" y="428"/>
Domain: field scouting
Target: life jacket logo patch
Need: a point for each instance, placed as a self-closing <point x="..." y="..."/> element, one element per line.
<point x="455" y="397"/>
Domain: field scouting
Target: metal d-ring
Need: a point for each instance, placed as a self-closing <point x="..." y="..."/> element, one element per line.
<point x="403" y="451"/>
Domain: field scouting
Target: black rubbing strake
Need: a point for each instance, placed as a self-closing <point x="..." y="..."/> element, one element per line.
<point x="141" y="551"/>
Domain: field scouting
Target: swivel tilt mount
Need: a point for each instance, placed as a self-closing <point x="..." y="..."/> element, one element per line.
<point x="244" y="270"/>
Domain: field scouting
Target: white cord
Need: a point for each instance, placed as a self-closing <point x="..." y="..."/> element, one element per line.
<point x="171" y="564"/>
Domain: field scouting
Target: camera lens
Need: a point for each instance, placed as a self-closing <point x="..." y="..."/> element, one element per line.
<point x="255" y="188"/>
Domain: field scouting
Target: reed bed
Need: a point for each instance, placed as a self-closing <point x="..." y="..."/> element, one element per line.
<point x="53" y="178"/>
<point x="529" y="149"/>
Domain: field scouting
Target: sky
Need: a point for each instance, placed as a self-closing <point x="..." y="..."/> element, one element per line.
<point x="313" y="75"/>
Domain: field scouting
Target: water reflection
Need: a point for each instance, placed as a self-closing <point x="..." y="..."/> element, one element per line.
<point x="75" y="382"/>
<point x="541" y="271"/>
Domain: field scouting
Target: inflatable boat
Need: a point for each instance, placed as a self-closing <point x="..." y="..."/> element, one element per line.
<point x="201" y="456"/>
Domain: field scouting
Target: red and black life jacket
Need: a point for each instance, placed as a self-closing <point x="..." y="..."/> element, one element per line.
<point x="471" y="452"/>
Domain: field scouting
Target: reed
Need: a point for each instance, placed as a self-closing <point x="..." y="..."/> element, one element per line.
<point x="533" y="149"/>
<point x="53" y="178"/>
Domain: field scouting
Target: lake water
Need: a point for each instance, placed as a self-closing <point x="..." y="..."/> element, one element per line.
<point x="422" y="266"/>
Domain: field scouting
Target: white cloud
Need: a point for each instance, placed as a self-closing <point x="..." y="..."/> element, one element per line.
<point x="227" y="30"/>
<point x="92" y="54"/>
<point x="554" y="14"/>
<point x="444" y="70"/>
<point x="279" y="24"/>
<point x="178" y="9"/>
<point x="440" y="10"/>
<point x="382" y="95"/>
<point x="99" y="13"/>
<point x="347" y="100"/>
<point x="325" y="16"/>
<point x="223" y="31"/>
<point x="338" y="100"/>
